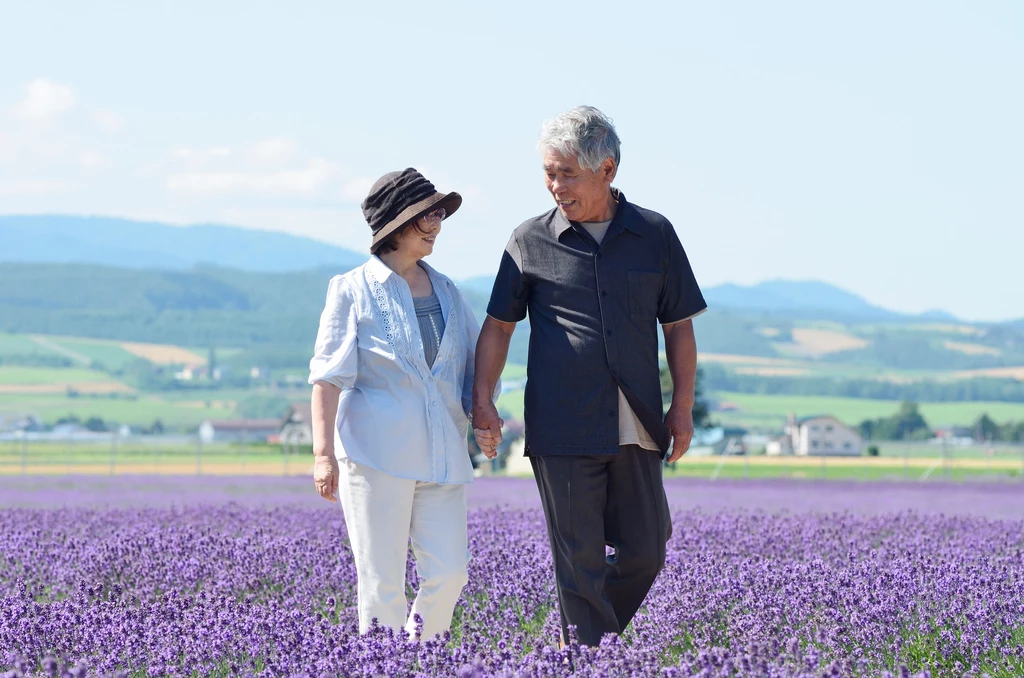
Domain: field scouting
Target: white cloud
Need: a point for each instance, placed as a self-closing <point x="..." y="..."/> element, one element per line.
<point x="107" y="121"/>
<point x="34" y="187"/>
<point x="272" y="150"/>
<point x="91" y="160"/>
<point x="302" y="181"/>
<point x="45" y="99"/>
<point x="357" y="189"/>
<point x="271" y="167"/>
<point x="198" y="157"/>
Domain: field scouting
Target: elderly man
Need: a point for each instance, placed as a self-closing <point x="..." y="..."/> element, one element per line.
<point x="596" y="274"/>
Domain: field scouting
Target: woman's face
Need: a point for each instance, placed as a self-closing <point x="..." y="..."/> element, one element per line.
<point x="418" y="240"/>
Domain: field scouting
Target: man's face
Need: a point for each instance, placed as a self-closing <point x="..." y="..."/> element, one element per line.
<point x="581" y="194"/>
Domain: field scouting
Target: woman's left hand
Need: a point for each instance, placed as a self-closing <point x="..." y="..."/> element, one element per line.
<point x="325" y="477"/>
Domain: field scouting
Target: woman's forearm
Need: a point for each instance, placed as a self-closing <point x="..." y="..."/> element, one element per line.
<point x="325" y="413"/>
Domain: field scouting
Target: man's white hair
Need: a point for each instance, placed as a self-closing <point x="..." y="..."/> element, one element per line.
<point x="584" y="133"/>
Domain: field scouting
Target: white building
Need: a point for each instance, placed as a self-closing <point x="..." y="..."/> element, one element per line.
<point x="816" y="436"/>
<point x="297" y="427"/>
<point x="239" y="430"/>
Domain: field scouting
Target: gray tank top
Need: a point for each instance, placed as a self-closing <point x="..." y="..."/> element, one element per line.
<point x="431" y="322"/>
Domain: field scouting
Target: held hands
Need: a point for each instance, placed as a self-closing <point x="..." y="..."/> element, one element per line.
<point x="487" y="428"/>
<point x="680" y="423"/>
<point x="325" y="476"/>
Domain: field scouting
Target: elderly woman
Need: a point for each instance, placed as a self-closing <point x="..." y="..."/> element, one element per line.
<point x="392" y="382"/>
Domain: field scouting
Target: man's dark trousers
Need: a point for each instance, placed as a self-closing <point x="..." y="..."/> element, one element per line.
<point x="595" y="500"/>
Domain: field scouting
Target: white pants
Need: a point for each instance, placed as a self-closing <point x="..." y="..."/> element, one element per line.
<point x="382" y="513"/>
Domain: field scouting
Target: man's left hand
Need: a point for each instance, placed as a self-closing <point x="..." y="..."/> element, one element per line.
<point x="680" y="423"/>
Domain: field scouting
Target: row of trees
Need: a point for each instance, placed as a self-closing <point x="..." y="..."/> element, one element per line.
<point x="909" y="424"/>
<point x="719" y="378"/>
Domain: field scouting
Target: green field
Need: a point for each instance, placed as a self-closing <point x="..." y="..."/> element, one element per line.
<point x="150" y="458"/>
<point x="816" y="471"/>
<point x="513" y="371"/>
<point x="22" y="344"/>
<point x="142" y="411"/>
<point x="107" y="353"/>
<point x="770" y="412"/>
<point x="14" y="375"/>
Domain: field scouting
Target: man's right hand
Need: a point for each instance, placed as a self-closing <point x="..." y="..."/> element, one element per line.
<point x="487" y="428"/>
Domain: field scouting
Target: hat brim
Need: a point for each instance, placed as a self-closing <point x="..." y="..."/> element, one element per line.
<point x="449" y="201"/>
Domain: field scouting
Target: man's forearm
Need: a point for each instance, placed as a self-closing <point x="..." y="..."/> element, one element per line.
<point x="491" y="354"/>
<point x="681" y="353"/>
<point x="325" y="413"/>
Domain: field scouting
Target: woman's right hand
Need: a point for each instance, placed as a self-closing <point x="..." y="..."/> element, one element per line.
<point x="325" y="476"/>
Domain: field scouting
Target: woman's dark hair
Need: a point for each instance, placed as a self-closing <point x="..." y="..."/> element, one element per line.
<point x="390" y="244"/>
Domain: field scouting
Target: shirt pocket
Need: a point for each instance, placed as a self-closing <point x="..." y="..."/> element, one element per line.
<point x="644" y="288"/>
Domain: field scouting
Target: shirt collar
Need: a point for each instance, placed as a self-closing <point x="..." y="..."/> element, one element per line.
<point x="382" y="272"/>
<point x="378" y="268"/>
<point x="623" y="219"/>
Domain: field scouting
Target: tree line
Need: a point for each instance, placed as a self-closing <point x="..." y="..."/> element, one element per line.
<point x="907" y="423"/>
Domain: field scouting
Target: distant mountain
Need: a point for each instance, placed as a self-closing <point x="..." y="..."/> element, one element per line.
<point x="136" y="244"/>
<point x="778" y="295"/>
<point x="124" y="243"/>
<point x="215" y="306"/>
<point x="803" y="297"/>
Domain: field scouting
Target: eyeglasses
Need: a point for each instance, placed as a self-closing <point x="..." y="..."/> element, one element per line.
<point x="437" y="215"/>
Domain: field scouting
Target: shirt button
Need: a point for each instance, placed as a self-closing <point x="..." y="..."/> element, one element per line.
<point x="598" y="255"/>
<point x="604" y="293"/>
<point x="609" y="333"/>
<point x="611" y="413"/>
<point x="433" y="403"/>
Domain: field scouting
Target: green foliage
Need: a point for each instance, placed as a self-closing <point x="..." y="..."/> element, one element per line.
<point x="96" y="424"/>
<point x="718" y="378"/>
<point x="985" y="428"/>
<point x="263" y="406"/>
<point x="35" y="360"/>
<point x="701" y="412"/>
<point x="914" y="350"/>
<point x="724" y="332"/>
<point x="212" y="306"/>
<point x="906" y="424"/>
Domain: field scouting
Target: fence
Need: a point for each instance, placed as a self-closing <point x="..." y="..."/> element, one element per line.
<point x="113" y="454"/>
<point x="895" y="461"/>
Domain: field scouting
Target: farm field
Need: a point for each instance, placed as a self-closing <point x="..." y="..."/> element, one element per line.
<point x="110" y="354"/>
<point x="258" y="563"/>
<point x="141" y="411"/>
<point x="183" y="456"/>
<point x="12" y="375"/>
<point x="771" y="411"/>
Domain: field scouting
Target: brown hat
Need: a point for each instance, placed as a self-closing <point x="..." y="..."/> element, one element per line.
<point x="398" y="198"/>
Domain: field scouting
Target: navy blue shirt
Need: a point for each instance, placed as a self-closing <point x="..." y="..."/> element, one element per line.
<point x="594" y="313"/>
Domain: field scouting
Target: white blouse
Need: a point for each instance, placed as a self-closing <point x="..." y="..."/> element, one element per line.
<point x="396" y="414"/>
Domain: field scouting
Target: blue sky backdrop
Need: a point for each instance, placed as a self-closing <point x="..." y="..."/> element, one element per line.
<point x="874" y="145"/>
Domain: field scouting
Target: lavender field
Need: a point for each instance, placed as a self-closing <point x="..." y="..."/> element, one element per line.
<point x="220" y="576"/>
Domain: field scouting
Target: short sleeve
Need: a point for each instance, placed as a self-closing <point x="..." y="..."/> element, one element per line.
<point x="681" y="297"/>
<point x="334" y="356"/>
<point x="511" y="291"/>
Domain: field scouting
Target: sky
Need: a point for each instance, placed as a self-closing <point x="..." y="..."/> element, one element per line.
<point x="877" y="146"/>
